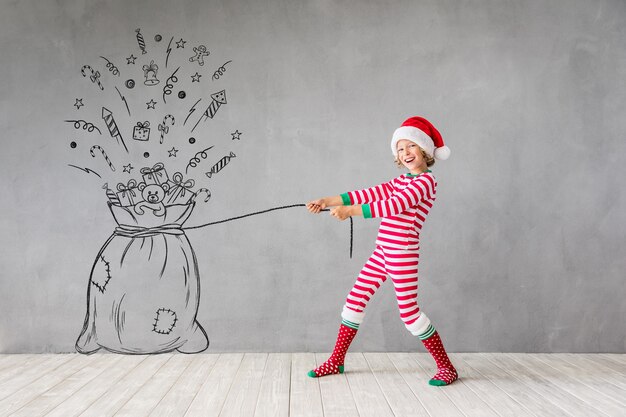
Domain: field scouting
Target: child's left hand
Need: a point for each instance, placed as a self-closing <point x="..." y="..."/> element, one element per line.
<point x="341" y="212"/>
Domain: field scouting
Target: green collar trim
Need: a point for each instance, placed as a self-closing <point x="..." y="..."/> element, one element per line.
<point x="417" y="175"/>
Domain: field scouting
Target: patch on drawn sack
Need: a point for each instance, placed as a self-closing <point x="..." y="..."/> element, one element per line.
<point x="165" y="321"/>
<point x="102" y="277"/>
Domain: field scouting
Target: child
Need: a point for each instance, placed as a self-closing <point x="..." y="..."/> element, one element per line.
<point x="403" y="204"/>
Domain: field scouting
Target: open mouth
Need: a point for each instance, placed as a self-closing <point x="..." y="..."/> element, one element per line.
<point x="409" y="160"/>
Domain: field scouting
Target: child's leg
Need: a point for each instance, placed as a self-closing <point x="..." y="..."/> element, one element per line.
<point x="369" y="280"/>
<point x="402" y="267"/>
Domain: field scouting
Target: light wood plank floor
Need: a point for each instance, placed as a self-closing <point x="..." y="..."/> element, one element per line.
<point x="276" y="385"/>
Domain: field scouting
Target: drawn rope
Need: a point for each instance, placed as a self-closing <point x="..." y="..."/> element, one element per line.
<point x="267" y="211"/>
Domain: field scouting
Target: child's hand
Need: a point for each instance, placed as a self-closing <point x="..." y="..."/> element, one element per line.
<point x="316" y="206"/>
<point x="341" y="212"/>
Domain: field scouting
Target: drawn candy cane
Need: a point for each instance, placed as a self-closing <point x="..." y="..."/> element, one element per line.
<point x="94" y="77"/>
<point x="165" y="129"/>
<point x="104" y="155"/>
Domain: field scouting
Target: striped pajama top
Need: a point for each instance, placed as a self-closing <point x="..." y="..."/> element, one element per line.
<point x="403" y="204"/>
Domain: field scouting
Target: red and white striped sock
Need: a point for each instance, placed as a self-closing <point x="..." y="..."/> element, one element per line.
<point x="446" y="374"/>
<point x="334" y="364"/>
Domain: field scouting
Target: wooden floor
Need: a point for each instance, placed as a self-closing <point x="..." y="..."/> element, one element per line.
<point x="276" y="384"/>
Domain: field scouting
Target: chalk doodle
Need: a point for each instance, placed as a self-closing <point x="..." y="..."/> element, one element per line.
<point x="113" y="198"/>
<point x="165" y="321"/>
<point x="192" y="140"/>
<point x="169" y="84"/>
<point x="89" y="127"/>
<point x="87" y="170"/>
<point x="200" y="53"/>
<point x="218" y="99"/>
<point x="111" y="67"/>
<point x="220" y="165"/>
<point x="158" y="38"/>
<point x="104" y="155"/>
<point x="123" y="99"/>
<point x="131" y="59"/>
<point x="236" y="135"/>
<point x="163" y="128"/>
<point x="128" y="168"/>
<point x="130" y="83"/>
<point x="196" y="78"/>
<point x="169" y="51"/>
<point x="181" y="43"/>
<point x="191" y="111"/>
<point x="141" y="42"/>
<point x="220" y="71"/>
<point x="146" y="155"/>
<point x="79" y="103"/>
<point x="73" y="145"/>
<point x="101" y="286"/>
<point x="153" y="196"/>
<point x="94" y="77"/>
<point x="173" y="152"/>
<point x="182" y="94"/>
<point x="107" y="116"/>
<point x="193" y="162"/>
<point x="142" y="131"/>
<point x="151" y="104"/>
<point x="150" y="74"/>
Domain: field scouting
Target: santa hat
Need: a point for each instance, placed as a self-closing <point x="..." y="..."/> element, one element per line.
<point x="422" y="132"/>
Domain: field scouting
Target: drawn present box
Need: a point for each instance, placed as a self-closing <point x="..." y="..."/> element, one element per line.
<point x="155" y="175"/>
<point x="180" y="192"/>
<point x="129" y="193"/>
<point x="141" y="131"/>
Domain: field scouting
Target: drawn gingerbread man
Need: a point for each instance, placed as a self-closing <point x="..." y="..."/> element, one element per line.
<point x="201" y="52"/>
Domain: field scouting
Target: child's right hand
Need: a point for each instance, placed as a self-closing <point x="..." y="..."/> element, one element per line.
<point x="316" y="206"/>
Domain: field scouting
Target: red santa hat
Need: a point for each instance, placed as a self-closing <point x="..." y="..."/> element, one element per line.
<point x="422" y="132"/>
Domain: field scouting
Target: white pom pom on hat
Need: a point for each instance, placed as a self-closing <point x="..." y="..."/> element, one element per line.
<point x="421" y="131"/>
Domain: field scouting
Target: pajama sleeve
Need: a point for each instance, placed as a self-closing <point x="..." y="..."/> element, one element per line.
<point x="422" y="188"/>
<point x="368" y="195"/>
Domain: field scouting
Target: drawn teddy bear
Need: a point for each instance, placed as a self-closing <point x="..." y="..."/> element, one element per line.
<point x="153" y="195"/>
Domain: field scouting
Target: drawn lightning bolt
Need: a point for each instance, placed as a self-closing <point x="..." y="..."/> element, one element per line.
<point x="193" y="109"/>
<point x="169" y="50"/>
<point x="124" y="100"/>
<point x="87" y="170"/>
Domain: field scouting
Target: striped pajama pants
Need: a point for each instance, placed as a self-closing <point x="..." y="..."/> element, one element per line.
<point x="399" y="264"/>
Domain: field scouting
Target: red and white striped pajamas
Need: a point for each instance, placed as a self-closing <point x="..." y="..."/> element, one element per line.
<point x="403" y="203"/>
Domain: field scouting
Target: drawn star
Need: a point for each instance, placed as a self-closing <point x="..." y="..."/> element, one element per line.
<point x="128" y="168"/>
<point x="79" y="103"/>
<point x="173" y="152"/>
<point x="195" y="78"/>
<point x="181" y="43"/>
<point x="131" y="59"/>
<point x="236" y="135"/>
<point x="151" y="104"/>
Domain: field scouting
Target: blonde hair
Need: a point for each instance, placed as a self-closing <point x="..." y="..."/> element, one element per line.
<point x="430" y="161"/>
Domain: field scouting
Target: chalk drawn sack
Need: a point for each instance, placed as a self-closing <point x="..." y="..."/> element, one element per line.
<point x="144" y="287"/>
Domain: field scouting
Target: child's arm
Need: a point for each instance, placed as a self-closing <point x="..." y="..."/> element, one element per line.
<point x="421" y="189"/>
<point x="320" y="204"/>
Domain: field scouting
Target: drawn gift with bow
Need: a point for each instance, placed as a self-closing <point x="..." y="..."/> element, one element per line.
<point x="128" y="194"/>
<point x="155" y="175"/>
<point x="180" y="192"/>
<point x="142" y="131"/>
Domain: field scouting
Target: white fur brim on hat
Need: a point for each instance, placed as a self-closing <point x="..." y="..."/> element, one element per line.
<point x="424" y="141"/>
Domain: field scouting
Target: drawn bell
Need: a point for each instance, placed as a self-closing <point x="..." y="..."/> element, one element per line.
<point x="150" y="73"/>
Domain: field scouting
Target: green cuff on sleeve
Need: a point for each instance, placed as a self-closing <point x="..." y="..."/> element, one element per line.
<point x="346" y="199"/>
<point x="367" y="211"/>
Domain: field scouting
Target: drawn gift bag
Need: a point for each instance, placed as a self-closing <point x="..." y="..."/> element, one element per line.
<point x="144" y="287"/>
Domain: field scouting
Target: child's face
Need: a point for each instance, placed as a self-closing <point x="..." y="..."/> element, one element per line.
<point x="410" y="154"/>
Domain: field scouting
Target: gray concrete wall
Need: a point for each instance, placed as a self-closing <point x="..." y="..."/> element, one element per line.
<point x="525" y="250"/>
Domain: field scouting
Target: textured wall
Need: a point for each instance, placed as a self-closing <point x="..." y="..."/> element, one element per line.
<point x="525" y="250"/>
